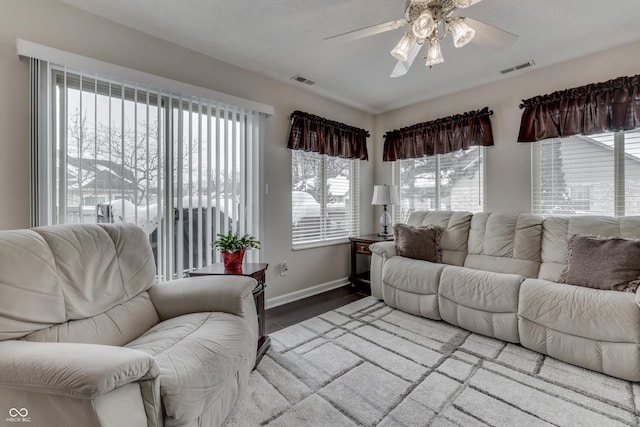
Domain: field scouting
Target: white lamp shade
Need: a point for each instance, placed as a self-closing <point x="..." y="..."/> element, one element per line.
<point x="461" y="32"/>
<point x="434" y="54"/>
<point x="464" y="3"/>
<point x="401" y="51"/>
<point x="385" y="195"/>
<point x="424" y="25"/>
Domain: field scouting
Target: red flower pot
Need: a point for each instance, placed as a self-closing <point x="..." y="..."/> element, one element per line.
<point x="233" y="260"/>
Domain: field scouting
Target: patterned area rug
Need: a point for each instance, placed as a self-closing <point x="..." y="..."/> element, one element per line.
<point x="366" y="364"/>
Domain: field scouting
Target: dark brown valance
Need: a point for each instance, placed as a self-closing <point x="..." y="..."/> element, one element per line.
<point x="610" y="106"/>
<point x="319" y="135"/>
<point x="439" y="136"/>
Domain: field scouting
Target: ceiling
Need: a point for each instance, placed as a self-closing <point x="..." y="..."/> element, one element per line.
<point x="284" y="38"/>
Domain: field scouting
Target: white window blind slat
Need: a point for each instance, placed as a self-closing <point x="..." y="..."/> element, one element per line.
<point x="325" y="198"/>
<point x="452" y="181"/>
<point x="587" y="175"/>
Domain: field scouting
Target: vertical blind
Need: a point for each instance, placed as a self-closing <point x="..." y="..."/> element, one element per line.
<point x="183" y="168"/>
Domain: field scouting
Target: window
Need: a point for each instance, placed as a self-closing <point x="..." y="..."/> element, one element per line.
<point x="325" y="198"/>
<point x="587" y="175"/>
<point x="452" y="181"/>
<point x="180" y="166"/>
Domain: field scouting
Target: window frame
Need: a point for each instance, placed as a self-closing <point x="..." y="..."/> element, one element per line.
<point x="399" y="216"/>
<point x="352" y="211"/>
<point x="243" y="134"/>
<point x="618" y="157"/>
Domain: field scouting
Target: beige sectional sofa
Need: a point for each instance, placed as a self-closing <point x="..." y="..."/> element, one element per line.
<point x="498" y="278"/>
<point x="89" y="338"/>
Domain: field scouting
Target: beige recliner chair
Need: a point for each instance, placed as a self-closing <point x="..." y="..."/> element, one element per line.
<point x="89" y="338"/>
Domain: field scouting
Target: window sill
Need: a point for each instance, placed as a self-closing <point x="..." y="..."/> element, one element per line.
<point x="320" y="244"/>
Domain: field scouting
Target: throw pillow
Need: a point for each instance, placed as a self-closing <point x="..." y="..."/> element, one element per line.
<point x="610" y="263"/>
<point x="418" y="242"/>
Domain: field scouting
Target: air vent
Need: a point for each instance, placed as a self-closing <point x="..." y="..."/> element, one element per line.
<point x="518" y="67"/>
<point x="304" y="80"/>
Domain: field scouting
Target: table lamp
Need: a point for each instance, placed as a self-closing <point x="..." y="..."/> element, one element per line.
<point x="385" y="195"/>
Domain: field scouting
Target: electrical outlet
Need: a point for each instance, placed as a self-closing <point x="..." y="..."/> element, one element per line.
<point x="284" y="268"/>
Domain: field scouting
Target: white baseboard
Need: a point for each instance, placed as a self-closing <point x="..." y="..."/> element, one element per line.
<point x="305" y="293"/>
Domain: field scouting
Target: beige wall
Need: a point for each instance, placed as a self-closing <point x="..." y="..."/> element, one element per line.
<point x="60" y="26"/>
<point x="508" y="162"/>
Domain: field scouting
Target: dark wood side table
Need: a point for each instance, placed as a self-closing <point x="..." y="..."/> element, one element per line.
<point x="258" y="272"/>
<point x="360" y="246"/>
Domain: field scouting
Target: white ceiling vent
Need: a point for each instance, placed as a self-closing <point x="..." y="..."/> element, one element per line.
<point x="304" y="80"/>
<point x="518" y="67"/>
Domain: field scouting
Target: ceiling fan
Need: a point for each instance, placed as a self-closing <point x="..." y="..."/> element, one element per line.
<point x="430" y="21"/>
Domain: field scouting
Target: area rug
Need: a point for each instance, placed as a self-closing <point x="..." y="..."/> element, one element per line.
<point x="366" y="364"/>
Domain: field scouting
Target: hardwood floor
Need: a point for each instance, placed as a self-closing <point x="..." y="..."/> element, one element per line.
<point x="289" y="314"/>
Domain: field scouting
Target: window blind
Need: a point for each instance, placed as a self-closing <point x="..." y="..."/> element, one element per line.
<point x="587" y="175"/>
<point x="452" y="181"/>
<point x="182" y="167"/>
<point x="325" y="198"/>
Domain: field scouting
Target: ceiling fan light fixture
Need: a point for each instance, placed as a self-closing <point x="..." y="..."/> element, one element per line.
<point x="434" y="54"/>
<point x="424" y="25"/>
<point x="464" y="3"/>
<point x="401" y="51"/>
<point x="461" y="32"/>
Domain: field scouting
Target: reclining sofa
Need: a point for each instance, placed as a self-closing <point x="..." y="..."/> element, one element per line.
<point x="499" y="277"/>
<point x="89" y="338"/>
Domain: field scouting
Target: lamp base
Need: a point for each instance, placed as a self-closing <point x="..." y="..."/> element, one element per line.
<point x="385" y="235"/>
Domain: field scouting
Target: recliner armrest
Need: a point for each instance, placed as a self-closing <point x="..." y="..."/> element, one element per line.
<point x="82" y="371"/>
<point x="227" y="294"/>
<point x="380" y="252"/>
<point x="385" y="249"/>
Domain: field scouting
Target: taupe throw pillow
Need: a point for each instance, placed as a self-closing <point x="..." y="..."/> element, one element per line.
<point x="418" y="242"/>
<point x="611" y="263"/>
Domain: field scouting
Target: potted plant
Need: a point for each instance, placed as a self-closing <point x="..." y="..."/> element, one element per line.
<point x="233" y="246"/>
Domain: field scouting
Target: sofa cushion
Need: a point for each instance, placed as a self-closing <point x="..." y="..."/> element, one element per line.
<point x="588" y="327"/>
<point x="505" y="243"/>
<point x="455" y="232"/>
<point x="609" y="263"/>
<point x="418" y="277"/>
<point x="28" y="275"/>
<point x="557" y="231"/>
<point x="199" y="355"/>
<point x="418" y="242"/>
<point x="480" y="301"/>
<point x="99" y="266"/>
<point x="116" y="326"/>
<point x="579" y="311"/>
<point x="412" y="286"/>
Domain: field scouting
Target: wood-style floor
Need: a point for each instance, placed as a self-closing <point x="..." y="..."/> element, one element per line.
<point x="289" y="314"/>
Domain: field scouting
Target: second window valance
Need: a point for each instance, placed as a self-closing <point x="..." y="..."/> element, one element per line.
<point x="440" y="136"/>
<point x="609" y="106"/>
<point x="319" y="135"/>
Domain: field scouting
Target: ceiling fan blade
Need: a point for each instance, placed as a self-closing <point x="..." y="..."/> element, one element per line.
<point x="402" y="67"/>
<point x="490" y="36"/>
<point x="368" y="31"/>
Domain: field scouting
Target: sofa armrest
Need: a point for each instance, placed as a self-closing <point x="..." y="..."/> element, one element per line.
<point x="227" y="294"/>
<point x="380" y="252"/>
<point x="384" y="249"/>
<point x="81" y="371"/>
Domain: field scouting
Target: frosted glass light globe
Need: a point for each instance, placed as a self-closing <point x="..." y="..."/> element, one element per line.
<point x="424" y="25"/>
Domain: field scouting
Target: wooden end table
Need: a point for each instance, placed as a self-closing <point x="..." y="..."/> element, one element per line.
<point x="258" y="272"/>
<point x="360" y="246"/>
